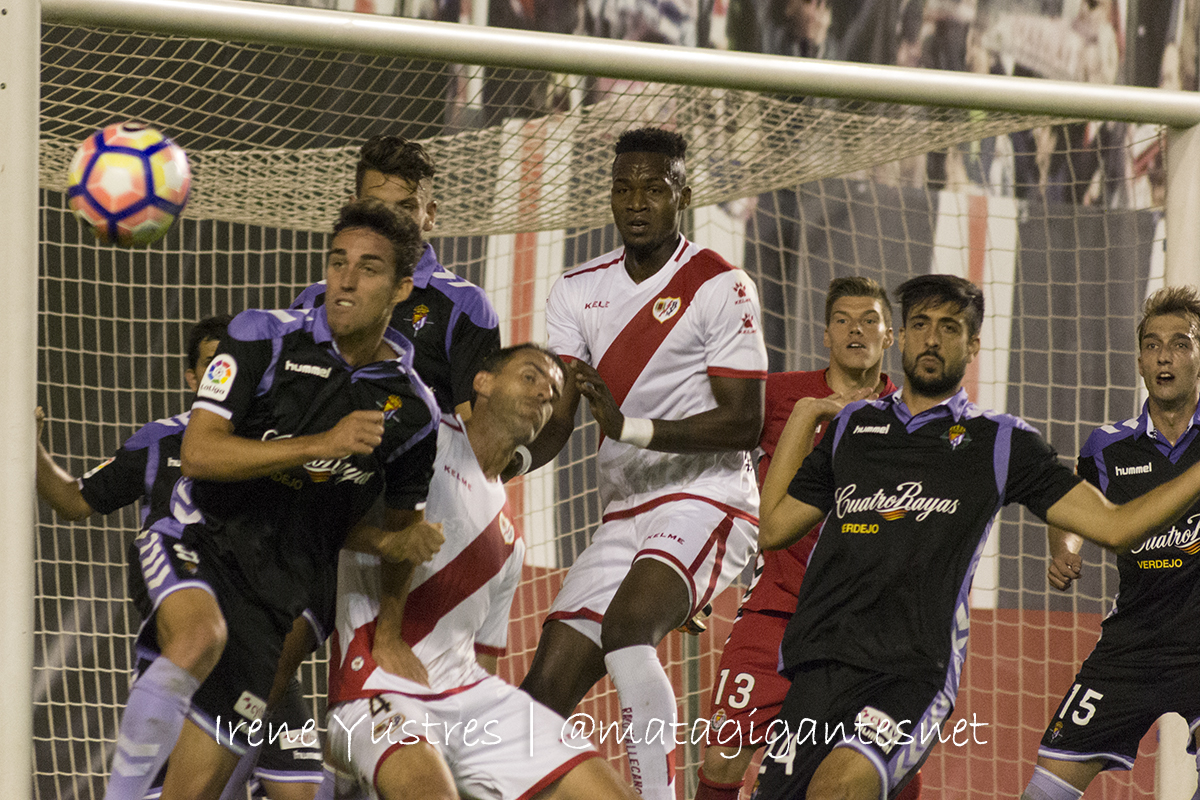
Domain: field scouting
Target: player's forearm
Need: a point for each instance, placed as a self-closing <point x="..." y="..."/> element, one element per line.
<point x="59" y="489"/>
<point x="717" y="430"/>
<point x="390" y="651"/>
<point x="795" y="443"/>
<point x="1088" y="513"/>
<point x="1063" y="543"/>
<point x="235" y="458"/>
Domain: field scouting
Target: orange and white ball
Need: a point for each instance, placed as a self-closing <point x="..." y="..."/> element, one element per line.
<point x="128" y="182"/>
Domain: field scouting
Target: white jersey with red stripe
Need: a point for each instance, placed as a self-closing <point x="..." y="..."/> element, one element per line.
<point x="655" y="344"/>
<point x="458" y="602"/>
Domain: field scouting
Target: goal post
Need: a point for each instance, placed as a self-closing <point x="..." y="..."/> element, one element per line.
<point x="801" y="169"/>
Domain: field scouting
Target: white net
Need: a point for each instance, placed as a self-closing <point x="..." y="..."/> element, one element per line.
<point x="1065" y="248"/>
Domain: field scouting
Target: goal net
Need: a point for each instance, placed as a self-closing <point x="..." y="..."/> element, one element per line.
<point x="1060" y="220"/>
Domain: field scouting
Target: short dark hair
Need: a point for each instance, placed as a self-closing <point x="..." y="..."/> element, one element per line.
<point x="208" y="328"/>
<point x="394" y="155"/>
<point x="399" y="229"/>
<point x="925" y="290"/>
<point x="657" y="140"/>
<point x="857" y="286"/>
<point x="496" y="360"/>
<point x="1181" y="300"/>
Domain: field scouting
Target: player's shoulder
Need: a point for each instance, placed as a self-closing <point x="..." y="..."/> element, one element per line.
<point x="1000" y="419"/>
<point x="459" y="293"/>
<point x="593" y="269"/>
<point x="1107" y="435"/>
<point x="154" y="432"/>
<point x="796" y="384"/>
<point x="256" y="324"/>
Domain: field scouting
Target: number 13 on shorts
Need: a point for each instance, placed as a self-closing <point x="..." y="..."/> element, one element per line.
<point x="739" y="695"/>
<point x="1085" y="708"/>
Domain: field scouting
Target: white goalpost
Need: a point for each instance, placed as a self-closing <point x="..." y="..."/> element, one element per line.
<point x="802" y="170"/>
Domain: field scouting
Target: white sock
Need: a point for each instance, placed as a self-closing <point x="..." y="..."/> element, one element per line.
<point x="648" y="711"/>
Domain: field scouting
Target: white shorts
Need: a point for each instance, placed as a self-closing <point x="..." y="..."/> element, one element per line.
<point x="499" y="743"/>
<point x="707" y="543"/>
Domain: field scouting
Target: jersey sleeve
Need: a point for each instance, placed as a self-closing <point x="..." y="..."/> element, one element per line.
<point x="1036" y="478"/>
<point x="409" y="467"/>
<point x="814" y="481"/>
<point x="117" y="482"/>
<point x="492" y="638"/>
<point x="562" y="328"/>
<point x="469" y="345"/>
<point x="233" y="376"/>
<point x="733" y="339"/>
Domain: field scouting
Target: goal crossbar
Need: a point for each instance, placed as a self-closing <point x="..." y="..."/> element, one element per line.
<point x="368" y="34"/>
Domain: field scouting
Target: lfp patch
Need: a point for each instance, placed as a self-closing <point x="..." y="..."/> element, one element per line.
<point x="218" y="378"/>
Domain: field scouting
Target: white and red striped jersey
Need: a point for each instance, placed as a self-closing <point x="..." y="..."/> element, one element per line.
<point x="458" y="603"/>
<point x="655" y="344"/>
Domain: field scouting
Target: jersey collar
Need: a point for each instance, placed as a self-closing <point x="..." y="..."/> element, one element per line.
<point x="1145" y="427"/>
<point x="956" y="405"/>
<point x="319" y="328"/>
<point x="427" y="264"/>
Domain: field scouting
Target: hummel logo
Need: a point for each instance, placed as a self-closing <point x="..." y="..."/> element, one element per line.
<point x="307" y="369"/>
<point x="872" y="428"/>
<point x="1139" y="470"/>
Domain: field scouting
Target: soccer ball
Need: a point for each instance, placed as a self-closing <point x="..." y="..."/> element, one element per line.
<point x="128" y="182"/>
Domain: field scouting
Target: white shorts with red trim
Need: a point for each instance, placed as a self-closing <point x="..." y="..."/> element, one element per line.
<point x="499" y="743"/>
<point x="707" y="543"/>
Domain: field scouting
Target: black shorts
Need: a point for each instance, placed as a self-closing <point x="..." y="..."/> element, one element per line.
<point x="1109" y="708"/>
<point x="294" y="755"/>
<point x="283" y="758"/>
<point x="231" y="702"/>
<point x="831" y="705"/>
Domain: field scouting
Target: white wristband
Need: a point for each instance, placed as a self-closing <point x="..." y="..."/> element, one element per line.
<point x="523" y="458"/>
<point x="637" y="431"/>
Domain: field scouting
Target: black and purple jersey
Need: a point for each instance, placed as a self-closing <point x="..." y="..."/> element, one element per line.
<point x="278" y="374"/>
<point x="910" y="501"/>
<point x="145" y="468"/>
<point x="450" y="322"/>
<point x="1153" y="620"/>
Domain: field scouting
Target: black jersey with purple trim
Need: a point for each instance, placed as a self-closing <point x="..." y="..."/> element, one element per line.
<point x="145" y="468"/>
<point x="450" y="322"/>
<point x="278" y="374"/>
<point x="1154" y="616"/>
<point x="910" y="501"/>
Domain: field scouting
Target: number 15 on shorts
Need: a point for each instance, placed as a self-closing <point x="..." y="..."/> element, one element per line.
<point x="1085" y="708"/>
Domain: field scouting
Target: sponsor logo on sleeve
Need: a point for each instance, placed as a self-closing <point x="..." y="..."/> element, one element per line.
<point x="218" y="378"/>
<point x="666" y="307"/>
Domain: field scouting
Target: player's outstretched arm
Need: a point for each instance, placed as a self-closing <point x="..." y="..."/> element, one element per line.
<point x="783" y="519"/>
<point x="1085" y="511"/>
<point x="735" y="424"/>
<point x="1065" y="561"/>
<point x="212" y="451"/>
<point x="55" y="485"/>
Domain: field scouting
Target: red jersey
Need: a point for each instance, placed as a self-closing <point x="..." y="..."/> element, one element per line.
<point x="779" y="572"/>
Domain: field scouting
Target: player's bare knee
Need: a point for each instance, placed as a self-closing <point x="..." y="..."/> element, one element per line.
<point x="195" y="645"/>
